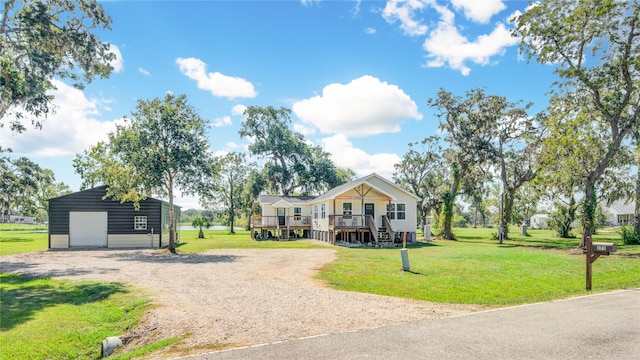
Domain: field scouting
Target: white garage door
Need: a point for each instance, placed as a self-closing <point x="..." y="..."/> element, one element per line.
<point x="88" y="228"/>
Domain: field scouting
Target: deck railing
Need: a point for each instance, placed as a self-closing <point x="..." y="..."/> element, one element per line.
<point x="276" y="221"/>
<point x="299" y="221"/>
<point x="346" y="221"/>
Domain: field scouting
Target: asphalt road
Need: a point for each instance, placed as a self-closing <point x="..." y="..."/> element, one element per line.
<point x="601" y="326"/>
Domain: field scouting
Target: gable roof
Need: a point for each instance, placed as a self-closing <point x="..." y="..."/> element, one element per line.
<point x="365" y="179"/>
<point x="301" y="200"/>
<point x="621" y="207"/>
<point x="290" y="200"/>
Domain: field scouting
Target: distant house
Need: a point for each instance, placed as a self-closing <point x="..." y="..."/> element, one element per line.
<point x="367" y="210"/>
<point x="84" y="219"/>
<point x="19" y="219"/>
<point x="621" y="213"/>
<point x="539" y="221"/>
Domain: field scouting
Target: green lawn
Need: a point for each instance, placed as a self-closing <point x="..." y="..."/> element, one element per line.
<point x="11" y="226"/>
<point x="52" y="319"/>
<point x="477" y="270"/>
<point x="71" y="318"/>
<point x="13" y="242"/>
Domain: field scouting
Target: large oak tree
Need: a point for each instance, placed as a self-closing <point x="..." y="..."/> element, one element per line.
<point x="468" y="124"/>
<point x="163" y="147"/>
<point x="292" y="165"/>
<point x="42" y="40"/>
<point x="421" y="172"/>
<point x="595" y="46"/>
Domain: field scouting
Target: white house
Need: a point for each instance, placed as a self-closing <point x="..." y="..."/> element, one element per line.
<point x="370" y="209"/>
<point x="621" y="213"/>
<point x="539" y="221"/>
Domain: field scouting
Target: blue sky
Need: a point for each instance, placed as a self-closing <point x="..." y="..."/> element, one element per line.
<point x="357" y="74"/>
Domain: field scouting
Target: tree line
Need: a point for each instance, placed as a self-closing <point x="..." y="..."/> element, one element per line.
<point x="25" y="188"/>
<point x="578" y="152"/>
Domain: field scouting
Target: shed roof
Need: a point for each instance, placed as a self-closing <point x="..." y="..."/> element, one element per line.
<point x="103" y="188"/>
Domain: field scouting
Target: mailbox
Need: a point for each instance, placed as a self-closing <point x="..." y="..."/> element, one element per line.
<point x="602" y="248"/>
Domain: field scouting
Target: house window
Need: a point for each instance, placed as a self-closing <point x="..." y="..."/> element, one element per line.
<point x="139" y="223"/>
<point x="323" y="212"/>
<point x="315" y="211"/>
<point x="397" y="211"/>
<point x="297" y="211"/>
<point x="346" y="208"/>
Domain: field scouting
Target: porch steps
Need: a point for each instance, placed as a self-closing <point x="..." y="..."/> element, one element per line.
<point x="384" y="240"/>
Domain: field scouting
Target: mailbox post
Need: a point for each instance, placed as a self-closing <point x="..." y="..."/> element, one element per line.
<point x="593" y="251"/>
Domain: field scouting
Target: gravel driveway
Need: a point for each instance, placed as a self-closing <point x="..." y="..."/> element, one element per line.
<point x="232" y="297"/>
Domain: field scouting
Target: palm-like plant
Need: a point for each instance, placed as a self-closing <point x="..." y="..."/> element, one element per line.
<point x="201" y="222"/>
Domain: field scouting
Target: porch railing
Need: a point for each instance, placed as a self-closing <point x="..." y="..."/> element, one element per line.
<point x="277" y="221"/>
<point x="346" y="221"/>
<point x="372" y="227"/>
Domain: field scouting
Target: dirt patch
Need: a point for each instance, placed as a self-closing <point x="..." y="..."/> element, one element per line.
<point x="232" y="297"/>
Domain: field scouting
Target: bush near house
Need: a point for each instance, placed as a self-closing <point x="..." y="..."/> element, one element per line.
<point x="630" y="235"/>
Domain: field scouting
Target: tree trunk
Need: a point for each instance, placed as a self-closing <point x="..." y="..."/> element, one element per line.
<point x="589" y="211"/>
<point x="201" y="234"/>
<point x="447" y="216"/>
<point x="172" y="221"/>
<point x="423" y="219"/>
<point x="507" y="210"/>
<point x="232" y="210"/>
<point x="448" y="202"/>
<point x="637" y="213"/>
<point x="475" y="218"/>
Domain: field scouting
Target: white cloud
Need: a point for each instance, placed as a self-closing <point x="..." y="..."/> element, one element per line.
<point x="232" y="145"/>
<point x="70" y="130"/>
<point x="365" y="106"/>
<point x="220" y="153"/>
<point x="405" y="12"/>
<point x="370" y="31"/>
<point x="220" y="122"/>
<point x="309" y="2"/>
<point x="304" y="129"/>
<point x="144" y="71"/>
<point x="238" y="109"/>
<point x="220" y="85"/>
<point x="479" y="11"/>
<point x="118" y="62"/>
<point x="446" y="46"/>
<point x="345" y="155"/>
<point x="186" y="201"/>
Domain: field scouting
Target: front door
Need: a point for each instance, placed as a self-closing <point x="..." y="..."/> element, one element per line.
<point x="369" y="209"/>
<point x="281" y="216"/>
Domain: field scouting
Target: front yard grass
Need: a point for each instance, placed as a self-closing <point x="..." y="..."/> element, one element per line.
<point x="475" y="269"/>
<point x="56" y="319"/>
<point x="15" y="242"/>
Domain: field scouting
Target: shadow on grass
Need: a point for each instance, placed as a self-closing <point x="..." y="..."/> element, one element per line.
<point x="23" y="296"/>
<point x="417" y="245"/>
<point x="16" y="240"/>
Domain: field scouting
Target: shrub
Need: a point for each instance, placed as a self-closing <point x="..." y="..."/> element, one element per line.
<point x="459" y="221"/>
<point x="630" y="235"/>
